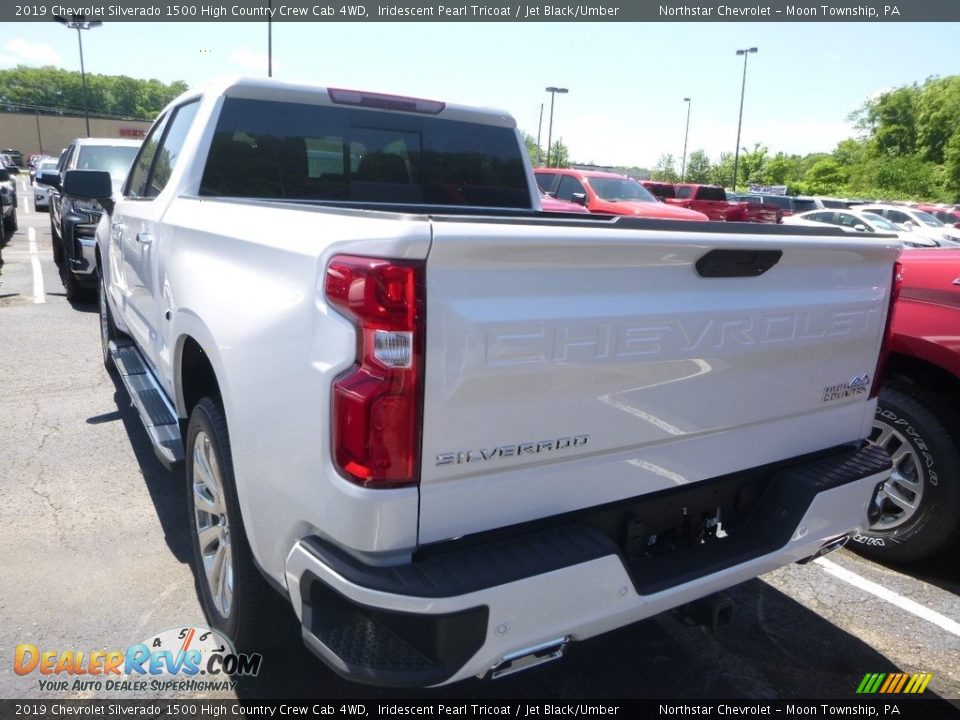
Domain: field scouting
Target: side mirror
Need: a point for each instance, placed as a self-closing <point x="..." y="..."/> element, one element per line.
<point x="579" y="198"/>
<point x="860" y="227"/>
<point x="48" y="177"/>
<point x="88" y="184"/>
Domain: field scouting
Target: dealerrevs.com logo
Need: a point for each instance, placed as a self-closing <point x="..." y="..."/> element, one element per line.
<point x="180" y="659"/>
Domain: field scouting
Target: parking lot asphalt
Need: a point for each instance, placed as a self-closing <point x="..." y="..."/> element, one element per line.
<point x="97" y="555"/>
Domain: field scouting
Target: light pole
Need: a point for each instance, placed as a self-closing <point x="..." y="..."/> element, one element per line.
<point x="78" y="23"/>
<point x="539" y="132"/>
<point x="270" y="39"/>
<point x="553" y="93"/>
<point x="683" y="163"/>
<point x="736" y="154"/>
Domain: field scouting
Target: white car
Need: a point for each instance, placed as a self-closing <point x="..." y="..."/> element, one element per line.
<point x="856" y="220"/>
<point x="41" y="193"/>
<point x="913" y="220"/>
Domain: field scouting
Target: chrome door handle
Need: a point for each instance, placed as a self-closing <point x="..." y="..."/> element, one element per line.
<point x="144" y="238"/>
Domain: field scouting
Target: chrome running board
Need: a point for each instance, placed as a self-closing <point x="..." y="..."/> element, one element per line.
<point x="156" y="413"/>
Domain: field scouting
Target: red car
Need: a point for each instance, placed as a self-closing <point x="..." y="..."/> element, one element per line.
<point x="946" y="215"/>
<point x="917" y="420"/>
<point x="610" y="193"/>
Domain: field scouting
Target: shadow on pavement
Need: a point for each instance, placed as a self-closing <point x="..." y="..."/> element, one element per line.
<point x="940" y="571"/>
<point x="166" y="488"/>
<point x="773" y="648"/>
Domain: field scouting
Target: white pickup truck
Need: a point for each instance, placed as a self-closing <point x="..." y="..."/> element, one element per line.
<point x="453" y="431"/>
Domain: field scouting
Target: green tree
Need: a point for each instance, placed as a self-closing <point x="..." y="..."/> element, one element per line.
<point x="751" y="167"/>
<point x="891" y="121"/>
<point x="698" y="167"/>
<point x="559" y="154"/>
<point x="533" y="150"/>
<point x="51" y="90"/>
<point x="665" y="170"/>
<point x="951" y="167"/>
<point x="721" y="172"/>
<point x="937" y="112"/>
<point x="825" y="177"/>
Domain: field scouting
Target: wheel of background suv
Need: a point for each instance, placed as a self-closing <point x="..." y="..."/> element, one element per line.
<point x="57" y="244"/>
<point x="75" y="291"/>
<point x="920" y="505"/>
<point x="235" y="597"/>
<point x="108" y="331"/>
<point x="10" y="221"/>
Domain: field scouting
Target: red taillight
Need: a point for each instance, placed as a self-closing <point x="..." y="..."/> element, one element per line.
<point x="887" y="330"/>
<point x="377" y="404"/>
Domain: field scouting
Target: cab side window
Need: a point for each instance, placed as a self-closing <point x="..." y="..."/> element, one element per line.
<point x="568" y="187"/>
<point x="137" y="184"/>
<point x="160" y="152"/>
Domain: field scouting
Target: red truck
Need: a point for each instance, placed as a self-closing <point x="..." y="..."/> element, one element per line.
<point x="917" y="512"/>
<point x="608" y="193"/>
<point x="712" y="201"/>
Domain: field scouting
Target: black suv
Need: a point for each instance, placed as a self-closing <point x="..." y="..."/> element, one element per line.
<point x="73" y="221"/>
<point x="8" y="200"/>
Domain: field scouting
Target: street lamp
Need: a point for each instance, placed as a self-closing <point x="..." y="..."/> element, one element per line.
<point x="553" y="93"/>
<point x="78" y="23"/>
<point x="270" y="39"/>
<point x="683" y="164"/>
<point x="736" y="154"/>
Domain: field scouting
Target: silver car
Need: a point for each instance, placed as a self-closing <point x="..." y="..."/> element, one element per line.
<point x="41" y="192"/>
<point x="856" y="220"/>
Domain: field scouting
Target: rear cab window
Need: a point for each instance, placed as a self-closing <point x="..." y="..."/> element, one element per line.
<point x="708" y="192"/>
<point x="301" y="152"/>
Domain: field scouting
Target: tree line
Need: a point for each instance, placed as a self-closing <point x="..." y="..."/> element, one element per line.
<point x="50" y="90"/>
<point x="907" y="148"/>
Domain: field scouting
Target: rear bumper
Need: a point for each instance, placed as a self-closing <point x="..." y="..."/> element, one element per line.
<point x="463" y="609"/>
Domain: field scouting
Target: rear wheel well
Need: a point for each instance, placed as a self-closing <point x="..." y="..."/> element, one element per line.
<point x="931" y="377"/>
<point x="197" y="378"/>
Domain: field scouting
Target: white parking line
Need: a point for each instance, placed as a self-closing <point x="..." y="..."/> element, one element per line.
<point x="883" y="593"/>
<point x="38" y="295"/>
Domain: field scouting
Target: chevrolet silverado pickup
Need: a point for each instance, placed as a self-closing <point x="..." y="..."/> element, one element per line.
<point x="453" y="432"/>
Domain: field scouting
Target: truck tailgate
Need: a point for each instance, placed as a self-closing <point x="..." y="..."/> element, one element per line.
<point x="570" y="365"/>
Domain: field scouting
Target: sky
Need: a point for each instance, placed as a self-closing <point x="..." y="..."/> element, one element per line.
<point x="626" y="81"/>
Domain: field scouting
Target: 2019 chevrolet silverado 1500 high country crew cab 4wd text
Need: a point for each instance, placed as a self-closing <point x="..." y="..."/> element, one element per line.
<point x="455" y="432"/>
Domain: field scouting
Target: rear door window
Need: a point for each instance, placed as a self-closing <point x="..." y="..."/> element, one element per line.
<point x="547" y="181"/>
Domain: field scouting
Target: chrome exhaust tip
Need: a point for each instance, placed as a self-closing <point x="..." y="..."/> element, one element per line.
<point x="825" y="549"/>
<point x="529" y="658"/>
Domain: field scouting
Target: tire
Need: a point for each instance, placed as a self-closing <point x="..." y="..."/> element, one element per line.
<point x="236" y="601"/>
<point x="75" y="291"/>
<point x="108" y="330"/>
<point x="10" y="221"/>
<point x="920" y="505"/>
<point x="57" y="245"/>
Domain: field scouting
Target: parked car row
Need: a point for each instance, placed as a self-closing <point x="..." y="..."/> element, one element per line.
<point x="915" y="228"/>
